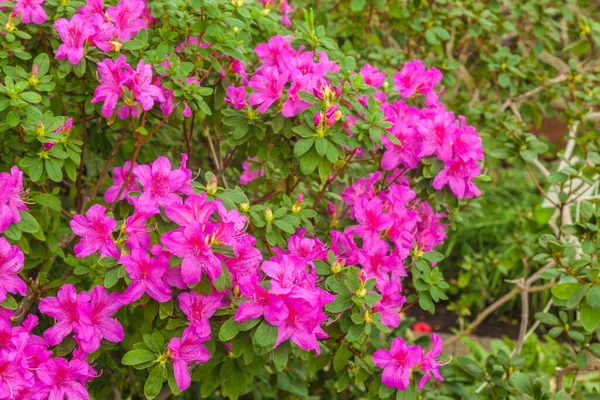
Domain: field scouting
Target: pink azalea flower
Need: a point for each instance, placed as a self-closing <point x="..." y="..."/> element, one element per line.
<point x="195" y="209"/>
<point x="59" y="379"/>
<point x="191" y="244"/>
<point x="160" y="183"/>
<point x="73" y="33"/>
<point x="15" y="376"/>
<point x="68" y="308"/>
<point x="302" y="325"/>
<point x="250" y="171"/>
<point x="92" y="7"/>
<point x="113" y="76"/>
<point x="127" y="16"/>
<point x="458" y="174"/>
<point x="275" y="53"/>
<point x="147" y="275"/>
<point x="371" y="218"/>
<point x="141" y="85"/>
<point x="236" y="96"/>
<point x="390" y="302"/>
<point x="344" y="248"/>
<point x="372" y="76"/>
<point x="136" y="227"/>
<point x="67" y="127"/>
<point x="308" y="249"/>
<point x="199" y="308"/>
<point x="437" y="132"/>
<point x="119" y="177"/>
<point x="268" y="86"/>
<point x="31" y="10"/>
<point x="103" y="32"/>
<point x="397" y="363"/>
<point x="11" y="262"/>
<point x="414" y="78"/>
<point x="95" y="229"/>
<point x="11" y="189"/>
<point x="261" y="303"/>
<point x="189" y="349"/>
<point x="430" y="363"/>
<point x="430" y="231"/>
<point x="376" y="262"/>
<point x="100" y="312"/>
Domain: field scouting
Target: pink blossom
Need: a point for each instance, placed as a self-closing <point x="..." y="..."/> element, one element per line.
<point x="390" y="303"/>
<point x="68" y="308"/>
<point x="30" y="10"/>
<point x="458" y="174"/>
<point x="371" y="218"/>
<point x="430" y="363"/>
<point x="189" y="349"/>
<point x="73" y="33"/>
<point x="16" y="378"/>
<point x="372" y="76"/>
<point x="261" y="303"/>
<point x="59" y="378"/>
<point x="95" y="229"/>
<point x="66" y="127"/>
<point x="191" y="244"/>
<point x="100" y="312"/>
<point x="268" y="86"/>
<point x="127" y="16"/>
<point x="199" y="308"/>
<point x="236" y="96"/>
<point x="250" y="171"/>
<point x="113" y="76"/>
<point x="397" y="363"/>
<point x="195" y="209"/>
<point x="11" y="262"/>
<point x="119" y="177"/>
<point x="160" y="183"/>
<point x="141" y="85"/>
<point x="92" y="7"/>
<point x="414" y="78"/>
<point x="11" y="189"/>
<point x="437" y="132"/>
<point x="275" y="53"/>
<point x="146" y="275"/>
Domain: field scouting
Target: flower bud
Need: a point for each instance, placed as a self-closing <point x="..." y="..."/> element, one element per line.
<point x="362" y="292"/>
<point x="265" y="12"/>
<point x="48" y="145"/>
<point x="116" y="45"/>
<point x="317" y="119"/>
<point x="331" y="115"/>
<point x="336" y="267"/>
<point x="331" y="209"/>
<point x="269" y="217"/>
<point x="211" y="186"/>
<point x="40" y="130"/>
<point x="237" y="3"/>
<point x="386" y="85"/>
<point x="300" y="198"/>
<point x="235" y="29"/>
<point x="245" y="207"/>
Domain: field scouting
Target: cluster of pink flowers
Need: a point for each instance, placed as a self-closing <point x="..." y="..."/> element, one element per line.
<point x="11" y="197"/>
<point x="418" y="132"/>
<point x="133" y="87"/>
<point x="27" y="367"/>
<point x="104" y="29"/>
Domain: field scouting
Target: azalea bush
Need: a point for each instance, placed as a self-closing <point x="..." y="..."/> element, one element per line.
<point x="207" y="198"/>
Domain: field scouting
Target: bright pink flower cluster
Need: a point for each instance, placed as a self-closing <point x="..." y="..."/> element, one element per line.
<point x="27" y="367"/>
<point x="415" y="132"/>
<point x="134" y="88"/>
<point x="104" y="29"/>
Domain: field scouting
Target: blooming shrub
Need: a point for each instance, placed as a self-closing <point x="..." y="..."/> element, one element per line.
<point x="349" y="179"/>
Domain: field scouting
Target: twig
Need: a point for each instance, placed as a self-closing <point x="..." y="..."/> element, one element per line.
<point x="81" y="163"/>
<point x="330" y="180"/>
<point x="107" y="166"/>
<point x="266" y="197"/>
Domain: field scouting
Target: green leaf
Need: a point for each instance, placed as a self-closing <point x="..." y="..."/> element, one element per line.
<point x="28" y="223"/>
<point x="341" y="357"/>
<point x="547" y="318"/>
<point x="229" y="330"/>
<point x="593" y="297"/>
<point x="43" y="64"/>
<point x="564" y="290"/>
<point x="433" y="256"/>
<point x="410" y="393"/>
<point x="53" y="170"/>
<point x="9" y="303"/>
<point x="138" y="356"/>
<point x="12" y="119"/>
<point x="154" y="383"/>
<point x="358" y="5"/>
<point x="322" y="145"/>
<point x="284" y="226"/>
<point x="48" y="200"/>
<point x="590" y="318"/>
<point x="303" y="145"/>
<point x="580" y="48"/>
<point x="309" y="161"/>
<point x="557" y="177"/>
<point x="503" y="80"/>
<point x="281" y="356"/>
<point x="264" y="338"/>
<point x="224" y="280"/>
<point x="31" y="97"/>
<point x="521" y="382"/>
